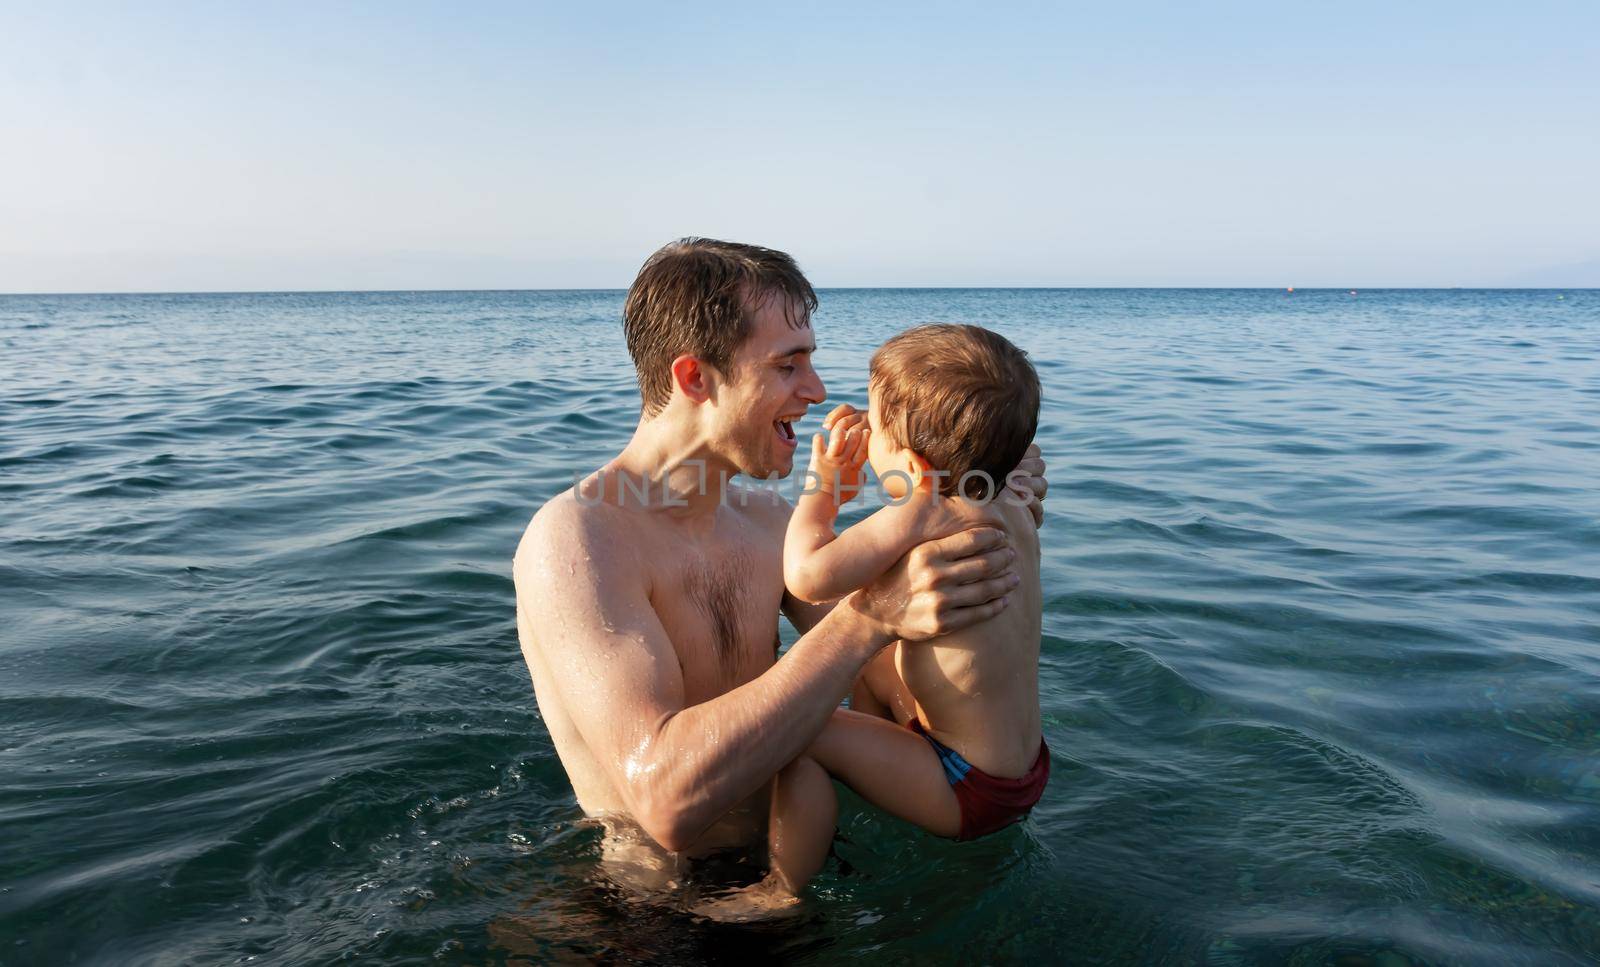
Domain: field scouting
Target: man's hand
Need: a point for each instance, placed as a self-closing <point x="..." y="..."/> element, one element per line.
<point x="837" y="460"/>
<point x="942" y="586"/>
<point x="1027" y="483"/>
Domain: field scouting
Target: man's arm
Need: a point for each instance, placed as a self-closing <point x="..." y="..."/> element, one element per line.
<point x="679" y="769"/>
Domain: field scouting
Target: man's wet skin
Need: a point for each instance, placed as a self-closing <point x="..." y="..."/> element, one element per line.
<point x="650" y="626"/>
<point x="715" y="586"/>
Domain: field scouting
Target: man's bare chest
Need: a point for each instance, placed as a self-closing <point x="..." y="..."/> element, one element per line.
<point x="718" y="602"/>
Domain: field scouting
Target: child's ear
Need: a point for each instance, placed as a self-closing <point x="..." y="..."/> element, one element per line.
<point x="916" y="465"/>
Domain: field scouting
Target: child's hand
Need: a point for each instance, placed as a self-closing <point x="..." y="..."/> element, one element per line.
<point x="840" y="412"/>
<point x="838" y="459"/>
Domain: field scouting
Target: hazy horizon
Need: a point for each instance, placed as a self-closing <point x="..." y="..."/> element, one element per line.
<point x="190" y="148"/>
<point x="834" y="288"/>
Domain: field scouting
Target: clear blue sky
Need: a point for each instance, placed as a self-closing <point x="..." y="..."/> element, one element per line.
<point x="276" y="146"/>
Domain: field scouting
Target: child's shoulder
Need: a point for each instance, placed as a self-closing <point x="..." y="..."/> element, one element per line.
<point x="960" y="513"/>
<point x="932" y="516"/>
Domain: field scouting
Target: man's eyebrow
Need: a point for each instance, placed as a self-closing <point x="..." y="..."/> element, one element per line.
<point x="785" y="353"/>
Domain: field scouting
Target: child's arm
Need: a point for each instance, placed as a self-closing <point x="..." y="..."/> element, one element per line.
<point x="816" y="566"/>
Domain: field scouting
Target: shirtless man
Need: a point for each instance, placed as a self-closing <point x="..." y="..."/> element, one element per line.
<point x="648" y="595"/>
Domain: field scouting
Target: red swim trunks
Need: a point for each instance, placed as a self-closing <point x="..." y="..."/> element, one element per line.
<point x="987" y="803"/>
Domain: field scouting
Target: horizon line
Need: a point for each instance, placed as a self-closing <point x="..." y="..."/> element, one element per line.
<point x="1063" y="286"/>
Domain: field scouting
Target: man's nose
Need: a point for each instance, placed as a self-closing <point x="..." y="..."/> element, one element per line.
<point x="812" y="391"/>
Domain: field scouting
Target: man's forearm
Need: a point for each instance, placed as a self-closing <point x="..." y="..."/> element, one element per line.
<point x="706" y="759"/>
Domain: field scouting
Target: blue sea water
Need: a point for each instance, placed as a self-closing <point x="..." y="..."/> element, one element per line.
<point x="1321" y="667"/>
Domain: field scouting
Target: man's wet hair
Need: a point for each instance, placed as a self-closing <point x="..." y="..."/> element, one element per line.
<point x="695" y="296"/>
<point x="963" y="398"/>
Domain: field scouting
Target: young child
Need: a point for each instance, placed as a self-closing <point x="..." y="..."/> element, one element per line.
<point x="952" y="411"/>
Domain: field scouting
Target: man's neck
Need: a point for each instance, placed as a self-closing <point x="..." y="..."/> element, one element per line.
<point x="668" y="467"/>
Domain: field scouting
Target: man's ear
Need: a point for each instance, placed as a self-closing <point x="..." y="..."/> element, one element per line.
<point x="693" y="377"/>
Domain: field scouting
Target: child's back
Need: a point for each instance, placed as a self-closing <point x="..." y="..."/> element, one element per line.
<point x="977" y="690"/>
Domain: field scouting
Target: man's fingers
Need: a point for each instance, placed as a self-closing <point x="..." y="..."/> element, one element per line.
<point x="1029" y="484"/>
<point x="981" y="567"/>
<point x="1032" y="466"/>
<point x="1031" y="489"/>
<point x="979" y="592"/>
<point x="978" y="540"/>
<point x="958" y="618"/>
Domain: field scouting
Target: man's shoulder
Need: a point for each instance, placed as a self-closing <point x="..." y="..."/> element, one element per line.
<point x="567" y="528"/>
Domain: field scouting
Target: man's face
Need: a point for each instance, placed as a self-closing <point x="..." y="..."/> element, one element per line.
<point x="770" y="387"/>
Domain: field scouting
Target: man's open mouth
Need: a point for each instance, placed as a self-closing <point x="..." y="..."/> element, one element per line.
<point x="785" y="430"/>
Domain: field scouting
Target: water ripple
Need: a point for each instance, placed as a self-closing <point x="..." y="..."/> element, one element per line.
<point x="1319" y="675"/>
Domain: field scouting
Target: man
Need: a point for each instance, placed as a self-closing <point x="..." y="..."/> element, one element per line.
<point x="648" y="595"/>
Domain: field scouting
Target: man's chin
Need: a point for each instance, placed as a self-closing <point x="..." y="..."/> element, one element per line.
<point x="776" y="468"/>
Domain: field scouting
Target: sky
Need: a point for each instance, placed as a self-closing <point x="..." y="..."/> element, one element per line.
<point x="248" y="147"/>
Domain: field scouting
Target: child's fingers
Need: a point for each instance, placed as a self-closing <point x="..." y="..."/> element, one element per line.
<point x="860" y="455"/>
<point x="816" y="449"/>
<point x="852" y="448"/>
<point x="836" y="414"/>
<point x="838" y="442"/>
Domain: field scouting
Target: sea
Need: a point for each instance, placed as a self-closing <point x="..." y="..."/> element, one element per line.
<point x="1320" y="671"/>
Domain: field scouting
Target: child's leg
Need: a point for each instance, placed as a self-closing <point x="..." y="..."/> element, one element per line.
<point x="799" y="831"/>
<point x="891" y="767"/>
<point x="800" y="828"/>
<point x="880" y="691"/>
<point x="864" y="698"/>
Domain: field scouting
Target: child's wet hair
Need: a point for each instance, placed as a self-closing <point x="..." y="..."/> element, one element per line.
<point x="965" y="398"/>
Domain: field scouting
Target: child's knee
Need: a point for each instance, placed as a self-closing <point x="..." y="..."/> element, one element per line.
<point x="807" y="788"/>
<point x="803" y="771"/>
<point x="794" y="768"/>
